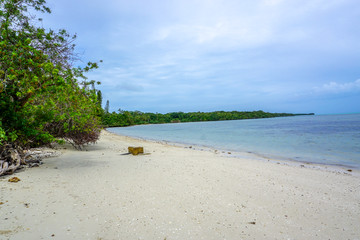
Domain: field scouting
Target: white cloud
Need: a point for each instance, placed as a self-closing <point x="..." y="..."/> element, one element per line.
<point x="334" y="87"/>
<point x="272" y="2"/>
<point x="229" y="24"/>
<point x="222" y="34"/>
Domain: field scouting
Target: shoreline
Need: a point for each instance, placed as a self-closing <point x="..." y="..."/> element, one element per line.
<point x="174" y="192"/>
<point x="340" y="168"/>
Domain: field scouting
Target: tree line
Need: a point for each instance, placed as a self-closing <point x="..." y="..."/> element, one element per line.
<point x="128" y="118"/>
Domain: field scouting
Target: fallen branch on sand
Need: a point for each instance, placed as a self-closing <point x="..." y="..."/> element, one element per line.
<point x="13" y="158"/>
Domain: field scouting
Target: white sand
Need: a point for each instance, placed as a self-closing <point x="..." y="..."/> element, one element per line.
<point x="176" y="193"/>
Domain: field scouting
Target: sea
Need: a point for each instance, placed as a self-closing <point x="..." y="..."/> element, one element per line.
<point x="319" y="139"/>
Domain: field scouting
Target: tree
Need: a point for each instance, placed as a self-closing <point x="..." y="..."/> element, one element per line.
<point x="40" y="94"/>
<point x="107" y="106"/>
<point x="99" y="98"/>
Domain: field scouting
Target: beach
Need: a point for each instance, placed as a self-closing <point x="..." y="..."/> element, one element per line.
<point x="176" y="192"/>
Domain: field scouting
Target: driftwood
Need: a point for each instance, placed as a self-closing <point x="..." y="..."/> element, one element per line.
<point x="10" y="159"/>
<point x="13" y="158"/>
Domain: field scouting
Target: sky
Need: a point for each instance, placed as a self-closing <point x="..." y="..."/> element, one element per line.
<point x="297" y="56"/>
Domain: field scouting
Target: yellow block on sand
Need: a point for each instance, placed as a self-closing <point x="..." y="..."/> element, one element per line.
<point x="136" y="150"/>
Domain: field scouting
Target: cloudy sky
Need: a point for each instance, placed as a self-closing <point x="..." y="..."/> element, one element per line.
<point x="206" y="55"/>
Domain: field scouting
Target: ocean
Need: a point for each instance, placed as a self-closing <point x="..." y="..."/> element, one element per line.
<point x="322" y="139"/>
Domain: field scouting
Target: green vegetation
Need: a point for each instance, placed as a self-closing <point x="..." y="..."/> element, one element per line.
<point x="41" y="97"/>
<point x="127" y="118"/>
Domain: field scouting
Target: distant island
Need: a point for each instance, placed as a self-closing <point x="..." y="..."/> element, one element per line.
<point x="129" y="118"/>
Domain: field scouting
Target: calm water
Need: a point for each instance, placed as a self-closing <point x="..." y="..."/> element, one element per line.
<point x="325" y="139"/>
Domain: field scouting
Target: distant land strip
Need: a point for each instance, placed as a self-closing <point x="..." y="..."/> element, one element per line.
<point x="129" y="118"/>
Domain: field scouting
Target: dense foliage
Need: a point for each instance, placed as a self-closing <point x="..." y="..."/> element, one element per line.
<point x="127" y="118"/>
<point x="41" y="97"/>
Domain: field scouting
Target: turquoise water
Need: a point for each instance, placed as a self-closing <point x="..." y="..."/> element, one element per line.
<point x="324" y="139"/>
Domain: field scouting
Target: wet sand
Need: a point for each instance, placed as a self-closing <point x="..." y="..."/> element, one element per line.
<point x="174" y="192"/>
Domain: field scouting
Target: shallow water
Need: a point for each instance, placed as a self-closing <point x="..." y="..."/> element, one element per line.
<point x="323" y="139"/>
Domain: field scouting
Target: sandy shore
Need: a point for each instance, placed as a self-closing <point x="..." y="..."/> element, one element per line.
<point x="176" y="193"/>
